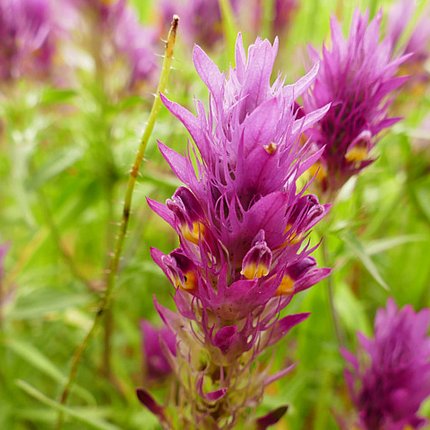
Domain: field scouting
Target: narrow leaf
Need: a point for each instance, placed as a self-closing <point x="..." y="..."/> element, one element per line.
<point x="356" y="247"/>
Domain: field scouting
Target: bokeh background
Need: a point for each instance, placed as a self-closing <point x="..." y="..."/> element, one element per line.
<point x="75" y="94"/>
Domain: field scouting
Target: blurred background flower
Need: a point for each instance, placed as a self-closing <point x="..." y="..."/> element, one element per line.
<point x="157" y="344"/>
<point x="28" y="39"/>
<point x="389" y="385"/>
<point x="357" y="76"/>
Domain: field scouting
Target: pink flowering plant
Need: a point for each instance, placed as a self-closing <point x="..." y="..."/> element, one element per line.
<point x="243" y="229"/>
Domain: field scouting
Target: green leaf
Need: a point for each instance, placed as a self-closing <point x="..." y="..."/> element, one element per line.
<point x="56" y="164"/>
<point x="377" y="246"/>
<point x="84" y="415"/>
<point x="421" y="193"/>
<point x="351" y="311"/>
<point x="56" y="95"/>
<point x="36" y="309"/>
<point x="356" y="247"/>
<point x="38" y="360"/>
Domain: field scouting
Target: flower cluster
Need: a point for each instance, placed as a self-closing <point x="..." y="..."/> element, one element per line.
<point x="389" y="387"/>
<point x="28" y="38"/>
<point x="357" y="76"/>
<point x="243" y="227"/>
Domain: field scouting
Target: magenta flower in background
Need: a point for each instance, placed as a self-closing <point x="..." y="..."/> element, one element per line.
<point x="243" y="228"/>
<point x="392" y="379"/>
<point x="358" y="76"/>
<point x="200" y="19"/>
<point x="136" y="42"/>
<point x="417" y="44"/>
<point x="28" y="38"/>
<point x="282" y="14"/>
<point x="155" y="341"/>
<point x="116" y="33"/>
<point x="284" y="10"/>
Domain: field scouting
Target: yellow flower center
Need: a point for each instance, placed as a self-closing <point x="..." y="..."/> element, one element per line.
<point x="294" y="237"/>
<point x="195" y="233"/>
<point x="254" y="271"/>
<point x="286" y="287"/>
<point x="190" y="281"/>
<point x="270" y="148"/>
<point x="357" y="154"/>
<point x="319" y="171"/>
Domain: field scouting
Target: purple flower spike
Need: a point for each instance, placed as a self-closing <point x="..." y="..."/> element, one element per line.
<point x="389" y="387"/>
<point x="243" y="231"/>
<point x="155" y="341"/>
<point x="358" y="76"/>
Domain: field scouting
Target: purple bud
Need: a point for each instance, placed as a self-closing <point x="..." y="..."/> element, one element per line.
<point x="271" y="418"/>
<point x="153" y="339"/>
<point x="189" y="214"/>
<point x="257" y="261"/>
<point x="148" y="401"/>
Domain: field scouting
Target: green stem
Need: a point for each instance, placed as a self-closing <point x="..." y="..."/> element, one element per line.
<point x="108" y="318"/>
<point x="330" y="197"/>
<point x="330" y="288"/>
<point x="229" y="27"/>
<point x="116" y="256"/>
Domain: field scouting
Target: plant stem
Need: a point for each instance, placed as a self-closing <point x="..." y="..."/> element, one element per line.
<point x="108" y="318"/>
<point x="330" y="287"/>
<point x="119" y="244"/>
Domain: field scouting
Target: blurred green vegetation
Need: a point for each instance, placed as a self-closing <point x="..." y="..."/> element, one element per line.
<point x="64" y="161"/>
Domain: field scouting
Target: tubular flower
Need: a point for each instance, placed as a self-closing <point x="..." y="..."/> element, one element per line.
<point x="357" y="76"/>
<point x="243" y="228"/>
<point x="200" y="19"/>
<point x="390" y="383"/>
<point x="155" y="341"/>
<point x="27" y="39"/>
